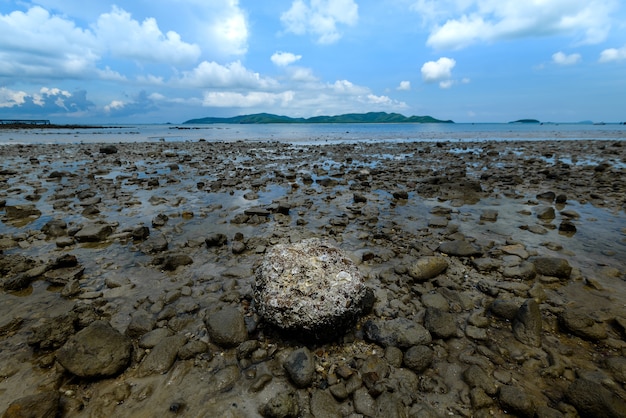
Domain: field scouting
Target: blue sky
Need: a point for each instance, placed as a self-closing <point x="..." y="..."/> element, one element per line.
<point x="145" y="61"/>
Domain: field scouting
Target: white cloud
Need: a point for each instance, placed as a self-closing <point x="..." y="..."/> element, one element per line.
<point x="283" y="59"/>
<point x="320" y="18"/>
<point x="302" y="74"/>
<point x="224" y="27"/>
<point x="404" y="86"/>
<point x="563" y="59"/>
<point x="459" y="23"/>
<point x="114" y="105"/>
<point x="347" y="87"/>
<point x="439" y="71"/>
<point x="125" y="37"/>
<point x="233" y="75"/>
<point x="251" y="99"/>
<point x="35" y="43"/>
<point x="613" y="54"/>
<point x="11" y="98"/>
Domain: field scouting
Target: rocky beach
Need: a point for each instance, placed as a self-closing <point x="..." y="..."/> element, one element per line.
<point x="488" y="279"/>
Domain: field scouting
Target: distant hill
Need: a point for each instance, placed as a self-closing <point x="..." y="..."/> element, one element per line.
<point x="371" y="117"/>
<point x="526" y="121"/>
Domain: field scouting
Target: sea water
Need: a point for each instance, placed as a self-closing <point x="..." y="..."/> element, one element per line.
<point x="316" y="133"/>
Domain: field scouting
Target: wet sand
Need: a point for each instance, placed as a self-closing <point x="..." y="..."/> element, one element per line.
<point x="125" y="233"/>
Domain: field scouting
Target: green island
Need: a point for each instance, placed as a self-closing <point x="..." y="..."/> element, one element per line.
<point x="526" y="121"/>
<point x="371" y="117"/>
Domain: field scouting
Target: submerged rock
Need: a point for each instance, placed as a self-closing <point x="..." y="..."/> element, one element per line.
<point x="310" y="287"/>
<point x="98" y="350"/>
<point x="43" y="405"/>
<point x="427" y="267"/>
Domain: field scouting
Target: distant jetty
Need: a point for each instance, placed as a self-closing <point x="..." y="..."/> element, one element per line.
<point x="39" y="123"/>
<point x="371" y="117"/>
<point x="24" y="122"/>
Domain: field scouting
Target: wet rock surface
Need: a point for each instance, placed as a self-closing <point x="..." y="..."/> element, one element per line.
<point x="493" y="276"/>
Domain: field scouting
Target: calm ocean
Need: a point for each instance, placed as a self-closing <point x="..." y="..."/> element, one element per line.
<point x="317" y="133"/>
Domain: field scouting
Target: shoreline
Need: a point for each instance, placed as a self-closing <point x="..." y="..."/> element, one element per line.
<point x="387" y="204"/>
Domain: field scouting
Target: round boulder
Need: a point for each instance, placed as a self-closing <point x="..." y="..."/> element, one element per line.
<point x="96" y="351"/>
<point x="311" y="288"/>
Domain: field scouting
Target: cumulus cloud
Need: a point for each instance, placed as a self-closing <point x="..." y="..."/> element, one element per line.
<point x="459" y="23"/>
<point x="320" y="18"/>
<point x="141" y="103"/>
<point x="563" y="59"/>
<point x="613" y="54"/>
<point x="282" y="59"/>
<point x="439" y="71"/>
<point x="37" y="43"/>
<point x="47" y="100"/>
<point x="223" y="26"/>
<point x="251" y="99"/>
<point x="404" y="86"/>
<point x="233" y="75"/>
<point x="125" y="37"/>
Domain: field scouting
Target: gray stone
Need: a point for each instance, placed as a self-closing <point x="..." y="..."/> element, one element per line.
<point x="524" y="271"/>
<point x="516" y="400"/>
<point x="582" y="325"/>
<point x="435" y="300"/>
<point x="418" y="358"/>
<point x="489" y="215"/>
<point x="373" y="370"/>
<point x="152" y="338"/>
<point x="423" y="410"/>
<point x="162" y="356"/>
<point x="397" y="332"/>
<point x="592" y="400"/>
<point x="96" y="351"/>
<point x="476" y="377"/>
<point x="459" y="248"/>
<point x="505" y="308"/>
<point x="282" y="405"/>
<point x="527" y="325"/>
<point x="21" y="212"/>
<point x="192" y="349"/>
<point x="323" y="405"/>
<point x="364" y="403"/>
<point x="617" y="366"/>
<point x="215" y="240"/>
<point x="546" y="213"/>
<point x="93" y="233"/>
<point x="141" y="322"/>
<point x="62" y="276"/>
<point x="393" y="355"/>
<point x="140" y="233"/>
<point x="439" y="323"/>
<point x="40" y="405"/>
<point x="427" y="267"/>
<point x="227" y="327"/>
<point x="552" y="266"/>
<point x="310" y="287"/>
<point x="52" y="333"/>
<point x="156" y="243"/>
<point x="300" y="367"/>
<point x="173" y="261"/>
<point x="55" y="228"/>
<point x="544" y="411"/>
<point x="390" y="405"/>
<point x="486" y="264"/>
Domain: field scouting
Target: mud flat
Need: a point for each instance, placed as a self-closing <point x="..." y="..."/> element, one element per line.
<point x="497" y="270"/>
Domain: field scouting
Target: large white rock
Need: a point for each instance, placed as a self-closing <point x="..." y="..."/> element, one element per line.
<point x="310" y="287"/>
